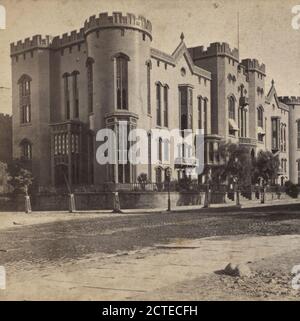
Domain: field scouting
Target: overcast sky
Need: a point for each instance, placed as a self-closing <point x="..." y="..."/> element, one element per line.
<point x="265" y="30"/>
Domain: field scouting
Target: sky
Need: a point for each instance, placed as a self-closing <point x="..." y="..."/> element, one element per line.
<point x="266" y="31"/>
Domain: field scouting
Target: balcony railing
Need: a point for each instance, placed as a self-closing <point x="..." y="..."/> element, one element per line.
<point x="247" y="141"/>
<point x="185" y="162"/>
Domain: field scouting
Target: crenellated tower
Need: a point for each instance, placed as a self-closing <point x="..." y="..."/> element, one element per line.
<point x="294" y="133"/>
<point x="256" y="74"/>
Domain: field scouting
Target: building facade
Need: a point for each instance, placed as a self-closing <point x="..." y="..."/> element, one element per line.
<point x="5" y="138"/>
<point x="65" y="89"/>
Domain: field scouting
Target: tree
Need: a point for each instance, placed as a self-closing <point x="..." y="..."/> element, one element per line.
<point x="266" y="167"/>
<point x="20" y="178"/>
<point x="235" y="164"/>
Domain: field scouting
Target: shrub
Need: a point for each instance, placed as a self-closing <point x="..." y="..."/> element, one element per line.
<point x="291" y="189"/>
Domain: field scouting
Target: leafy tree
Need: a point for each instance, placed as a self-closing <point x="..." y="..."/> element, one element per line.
<point x="235" y="164"/>
<point x="19" y="178"/>
<point x="266" y="167"/>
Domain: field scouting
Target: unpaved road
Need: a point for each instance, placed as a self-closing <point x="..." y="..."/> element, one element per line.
<point x="153" y="256"/>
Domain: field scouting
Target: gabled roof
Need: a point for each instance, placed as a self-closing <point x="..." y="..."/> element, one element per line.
<point x="173" y="59"/>
<point x="272" y="93"/>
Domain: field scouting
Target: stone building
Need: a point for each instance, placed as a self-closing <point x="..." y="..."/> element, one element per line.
<point x="5" y="149"/>
<point x="5" y="138"/>
<point x="293" y="104"/>
<point x="67" y="88"/>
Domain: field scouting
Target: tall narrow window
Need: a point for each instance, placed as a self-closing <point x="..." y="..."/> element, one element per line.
<point x="26" y="150"/>
<point x="166" y="106"/>
<point x="231" y="108"/>
<point x="67" y="95"/>
<point x="75" y="94"/>
<point x="25" y="99"/>
<point x="158" y="104"/>
<point x="190" y="108"/>
<point x="275" y="133"/>
<point x="200" y="112"/>
<point x="205" y="121"/>
<point x="186" y="106"/>
<point x="160" y="149"/>
<point x="148" y="65"/>
<point x="122" y="81"/>
<point x="298" y="134"/>
<point x="260" y="117"/>
<point x="90" y="84"/>
<point x="284" y="138"/>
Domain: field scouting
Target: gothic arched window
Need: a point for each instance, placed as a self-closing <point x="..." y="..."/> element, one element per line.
<point x="166" y="106"/>
<point x="122" y="80"/>
<point x="231" y="107"/>
<point x="26" y="150"/>
<point x="90" y="83"/>
<point x="25" y="99"/>
<point x="260" y="117"/>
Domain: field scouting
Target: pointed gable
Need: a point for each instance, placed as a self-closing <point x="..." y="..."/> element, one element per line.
<point x="173" y="59"/>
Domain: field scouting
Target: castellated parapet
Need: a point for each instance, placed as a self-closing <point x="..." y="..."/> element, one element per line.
<point x="290" y="100"/>
<point x="67" y="39"/>
<point x="254" y="65"/>
<point x="214" y="49"/>
<point x="36" y="42"/>
<point x="117" y="19"/>
<point x="103" y="21"/>
<point x="5" y="117"/>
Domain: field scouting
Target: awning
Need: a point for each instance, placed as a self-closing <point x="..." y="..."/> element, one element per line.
<point x="233" y="125"/>
<point x="261" y="131"/>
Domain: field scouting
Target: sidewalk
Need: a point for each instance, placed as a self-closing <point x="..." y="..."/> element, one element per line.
<point x="19" y="219"/>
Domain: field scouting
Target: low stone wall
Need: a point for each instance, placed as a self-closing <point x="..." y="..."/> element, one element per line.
<point x="104" y="200"/>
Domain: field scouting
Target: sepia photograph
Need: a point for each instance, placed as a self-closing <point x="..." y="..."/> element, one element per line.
<point x="149" y="151"/>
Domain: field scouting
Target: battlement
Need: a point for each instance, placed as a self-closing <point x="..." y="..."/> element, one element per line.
<point x="117" y="19"/>
<point x="290" y="100"/>
<point x="4" y="118"/>
<point x="214" y="49"/>
<point x="68" y="39"/>
<point x="253" y="64"/>
<point x="28" y="44"/>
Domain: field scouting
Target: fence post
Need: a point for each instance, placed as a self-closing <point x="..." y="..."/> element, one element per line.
<point x="72" y="207"/>
<point x="262" y="200"/>
<point x="116" y="203"/>
<point x="27" y="204"/>
<point x="237" y="192"/>
<point x="207" y="197"/>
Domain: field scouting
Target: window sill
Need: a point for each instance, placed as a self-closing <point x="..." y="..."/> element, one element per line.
<point x="149" y="115"/>
<point x="25" y="124"/>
